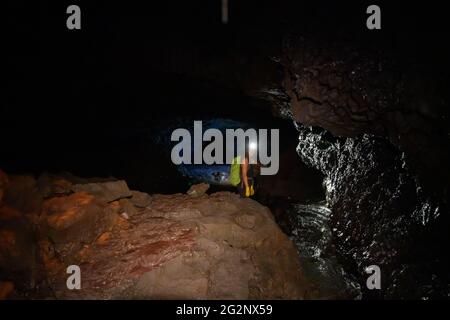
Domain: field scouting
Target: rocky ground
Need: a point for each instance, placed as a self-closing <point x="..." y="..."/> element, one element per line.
<point x="130" y="244"/>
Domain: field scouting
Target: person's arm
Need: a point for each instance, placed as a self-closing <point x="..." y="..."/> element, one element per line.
<point x="244" y="170"/>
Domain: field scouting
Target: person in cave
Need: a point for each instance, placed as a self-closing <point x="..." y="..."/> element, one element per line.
<point x="243" y="174"/>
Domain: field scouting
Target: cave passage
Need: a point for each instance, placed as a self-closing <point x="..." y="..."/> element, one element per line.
<point x="87" y="179"/>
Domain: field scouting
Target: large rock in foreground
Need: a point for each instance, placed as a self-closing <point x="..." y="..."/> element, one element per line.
<point x="183" y="247"/>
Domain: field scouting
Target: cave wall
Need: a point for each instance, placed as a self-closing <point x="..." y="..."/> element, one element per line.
<point x="375" y="123"/>
<point x="377" y="127"/>
<point x="380" y="213"/>
<point x="350" y="90"/>
<point x="372" y="117"/>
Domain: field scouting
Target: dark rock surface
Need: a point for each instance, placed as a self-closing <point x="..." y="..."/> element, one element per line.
<point x="350" y="90"/>
<point x="380" y="214"/>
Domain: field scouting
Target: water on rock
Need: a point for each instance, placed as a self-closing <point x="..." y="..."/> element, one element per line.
<point x="380" y="214"/>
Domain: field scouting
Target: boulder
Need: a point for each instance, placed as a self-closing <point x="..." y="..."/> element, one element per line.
<point x="182" y="247"/>
<point x="198" y="190"/>
<point x="75" y="220"/>
<point x="108" y="191"/>
<point x="53" y="185"/>
<point x="140" y="199"/>
<point x="127" y="208"/>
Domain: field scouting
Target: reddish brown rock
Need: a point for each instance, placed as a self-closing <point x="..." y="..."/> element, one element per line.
<point x="104" y="238"/>
<point x="174" y="246"/>
<point x="8" y="213"/>
<point x="140" y="199"/>
<point x="209" y="247"/>
<point x="23" y="194"/>
<point x="74" y="220"/>
<point x="127" y="208"/>
<point x="17" y="253"/>
<point x="6" y="289"/>
<point x="53" y="185"/>
<point x="198" y="190"/>
<point x="108" y="191"/>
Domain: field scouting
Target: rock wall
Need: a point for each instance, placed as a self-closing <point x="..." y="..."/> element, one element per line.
<point x="381" y="214"/>
<point x="351" y="89"/>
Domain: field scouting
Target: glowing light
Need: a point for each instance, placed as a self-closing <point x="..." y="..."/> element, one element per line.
<point x="252" y="146"/>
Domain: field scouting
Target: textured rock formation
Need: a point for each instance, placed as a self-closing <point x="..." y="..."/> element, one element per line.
<point x="348" y="87"/>
<point x="74" y="220"/>
<point x="385" y="183"/>
<point x="198" y="189"/>
<point x="178" y="246"/>
<point x="140" y="199"/>
<point x="21" y="203"/>
<point x="350" y="90"/>
<point x="380" y="213"/>
<point x="217" y="246"/>
<point x="109" y="191"/>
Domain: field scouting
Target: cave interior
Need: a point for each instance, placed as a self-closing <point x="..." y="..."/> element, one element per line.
<point x="363" y="119"/>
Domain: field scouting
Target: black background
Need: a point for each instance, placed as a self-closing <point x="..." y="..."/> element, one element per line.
<point x="57" y="76"/>
<point x="69" y="91"/>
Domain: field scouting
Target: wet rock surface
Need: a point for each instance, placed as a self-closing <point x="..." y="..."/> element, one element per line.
<point x="309" y="228"/>
<point x="381" y="215"/>
<point x="215" y="246"/>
